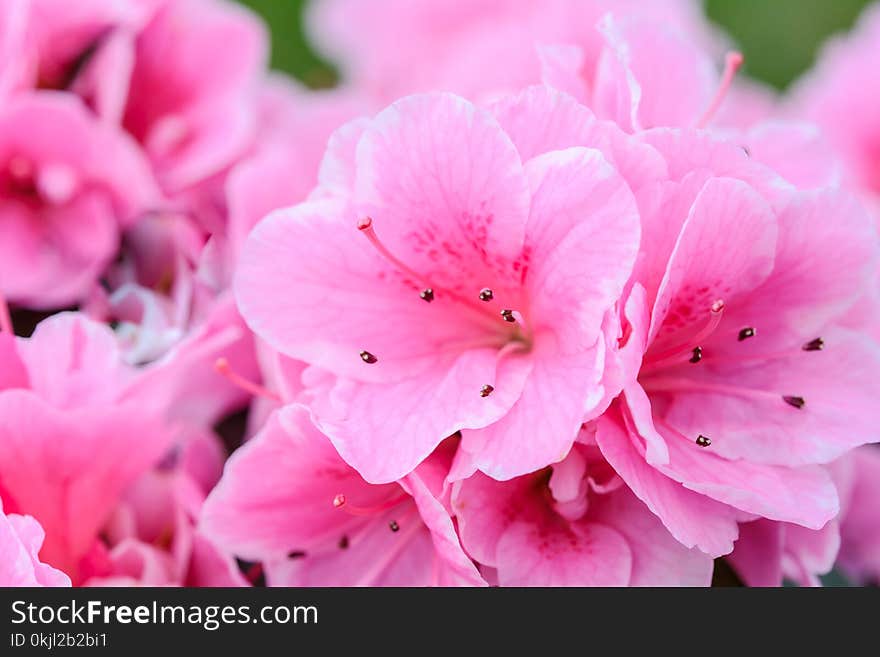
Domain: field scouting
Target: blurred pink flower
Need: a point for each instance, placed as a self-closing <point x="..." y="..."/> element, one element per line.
<point x="837" y="97"/>
<point x="192" y="91"/>
<point x="68" y="185"/>
<point x="450" y="285"/>
<point x="151" y="537"/>
<point x="767" y="553"/>
<point x="859" y="557"/>
<point x="481" y="48"/>
<point x="75" y="430"/>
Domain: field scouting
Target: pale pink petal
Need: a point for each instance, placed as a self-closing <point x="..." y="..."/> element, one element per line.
<point x="757" y="555"/>
<point x="445" y="186"/>
<point x="694" y="519"/>
<point x="741" y="406"/>
<point x="21" y="538"/>
<point x="657" y="558"/>
<point x="69" y="469"/>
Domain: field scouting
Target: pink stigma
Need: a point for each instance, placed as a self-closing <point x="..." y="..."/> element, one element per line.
<point x="339" y="502"/>
<point x="732" y="63"/>
<point x="222" y="366"/>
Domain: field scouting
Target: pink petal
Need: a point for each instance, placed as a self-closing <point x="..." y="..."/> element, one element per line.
<point x="657" y="558"/>
<point x="444" y="186"/>
<point x="694" y="519"/>
<point x="741" y="407"/>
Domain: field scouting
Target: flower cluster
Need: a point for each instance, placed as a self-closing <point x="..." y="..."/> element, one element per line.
<point x="543" y="294"/>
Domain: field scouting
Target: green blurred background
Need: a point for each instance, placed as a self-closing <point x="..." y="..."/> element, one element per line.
<point x="778" y="37"/>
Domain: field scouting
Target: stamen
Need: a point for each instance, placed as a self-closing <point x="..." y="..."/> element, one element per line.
<point x="797" y="402"/>
<point x="486" y="294"/>
<point x="703" y="441"/>
<point x="5" y="317"/>
<point x="676" y="384"/>
<point x="365" y="225"/>
<point x="343" y="543"/>
<point x="814" y="345"/>
<point x="746" y="333"/>
<point x="731" y="65"/>
<point x="746" y="150"/>
<point x="507" y="315"/>
<point x="697" y="355"/>
<point x="394" y="526"/>
<point x="296" y="554"/>
<point x="486" y="390"/>
<point x="340" y="502"/>
<point x="368" y="358"/>
<point x="221" y="365"/>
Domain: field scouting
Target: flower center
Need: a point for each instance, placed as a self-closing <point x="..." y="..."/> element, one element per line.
<point x="662" y="373"/>
<point x="506" y="326"/>
<point x="18" y="180"/>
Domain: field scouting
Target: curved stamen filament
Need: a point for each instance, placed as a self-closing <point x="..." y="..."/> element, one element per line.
<point x="222" y="366"/>
<point x="676" y="355"/>
<point x="340" y="502"/>
<point x="731" y="65"/>
<point x="676" y="384"/>
<point x="365" y="226"/>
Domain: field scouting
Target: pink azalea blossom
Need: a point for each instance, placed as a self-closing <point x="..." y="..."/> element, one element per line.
<point x="836" y="95"/>
<point x="859" y="557"/>
<point x="295" y="126"/>
<point x="21" y="538"/>
<point x="481" y="48"/>
<point x="151" y="535"/>
<point x="767" y="553"/>
<point x="75" y="430"/>
<point x="573" y="524"/>
<point x="192" y="89"/>
<point x="288" y="500"/>
<point x="452" y="282"/>
<point x="68" y="185"/>
<point x="744" y="381"/>
<point x="51" y="44"/>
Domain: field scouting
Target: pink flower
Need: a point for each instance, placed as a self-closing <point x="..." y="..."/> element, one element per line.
<point x="573" y="524"/>
<point x="455" y="276"/>
<point x="481" y="48"/>
<point x="295" y="125"/>
<point x="744" y="383"/>
<point x="191" y="95"/>
<point x="859" y="556"/>
<point x="49" y="44"/>
<point x="75" y="430"/>
<point x="648" y="75"/>
<point x="288" y="500"/>
<point x="67" y="186"/>
<point x="837" y="96"/>
<point x="768" y="552"/>
<point x="21" y="538"/>
<point x="151" y="536"/>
